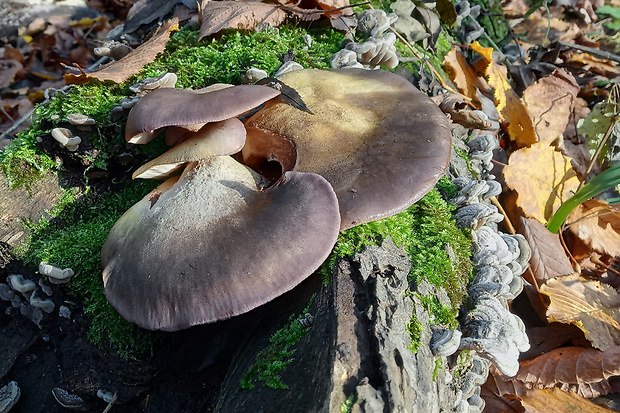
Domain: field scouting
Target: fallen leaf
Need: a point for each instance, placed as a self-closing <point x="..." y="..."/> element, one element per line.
<point x="550" y="102"/>
<point x="595" y="125"/>
<point x="548" y="257"/>
<point x="597" y="225"/>
<point x="542" y="178"/>
<point x="594" y="64"/>
<point x="592" y="306"/>
<point x="131" y="64"/>
<point x="584" y="371"/>
<point x="547" y="338"/>
<point x="514" y="116"/>
<point x="462" y="75"/>
<point x="502" y="394"/>
<point x="534" y="30"/>
<point x="8" y="69"/>
<point x="218" y="15"/>
<point x="556" y="400"/>
<point x="459" y="111"/>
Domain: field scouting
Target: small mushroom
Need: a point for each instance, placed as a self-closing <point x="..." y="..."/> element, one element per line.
<point x="376" y="51"/>
<point x="32" y="313"/>
<point x="345" y="58"/>
<point x="6" y="293"/>
<point x="177" y="107"/>
<point x="9" y="396"/>
<point x="81" y="120"/>
<point x="287" y="67"/>
<point x="253" y="75"/>
<point x="66" y="139"/>
<point x="56" y="274"/>
<point x="375" y="21"/>
<point x="44" y="303"/>
<point x="167" y="80"/>
<point x="218" y="138"/>
<point x="68" y="400"/>
<point x="21" y="284"/>
<point x="215" y="245"/>
<point x="381" y="143"/>
<point x="444" y="341"/>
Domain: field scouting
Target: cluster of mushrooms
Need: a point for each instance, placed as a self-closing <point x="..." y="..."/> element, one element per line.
<point x="255" y="205"/>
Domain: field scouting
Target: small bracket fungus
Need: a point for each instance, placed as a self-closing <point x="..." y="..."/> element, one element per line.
<point x="80" y="120"/>
<point x="215" y="245"/>
<point x="167" y="80"/>
<point x="376" y="51"/>
<point x="375" y="21"/>
<point x="287" y="67"/>
<point x="44" y="303"/>
<point x="68" y="400"/>
<point x="380" y="142"/>
<point x="444" y="341"/>
<point x="253" y="75"/>
<point x="66" y="139"/>
<point x="6" y="293"/>
<point x="56" y="274"/>
<point x="9" y="396"/>
<point x="21" y="284"/>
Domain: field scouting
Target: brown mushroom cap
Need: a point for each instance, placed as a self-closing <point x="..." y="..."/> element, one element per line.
<point x="175" y="107"/>
<point x="218" y="138"/>
<point x="378" y="140"/>
<point x="214" y="245"/>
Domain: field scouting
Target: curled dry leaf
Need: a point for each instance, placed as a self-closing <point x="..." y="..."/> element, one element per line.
<point x="592" y="306"/>
<point x="501" y="394"/>
<point x="458" y="110"/>
<point x="550" y="102"/>
<point x="584" y="371"/>
<point x="514" y="116"/>
<point x="597" y="225"/>
<point x="218" y="15"/>
<point x="131" y="64"/>
<point x="540" y="189"/>
<point x="548" y="257"/>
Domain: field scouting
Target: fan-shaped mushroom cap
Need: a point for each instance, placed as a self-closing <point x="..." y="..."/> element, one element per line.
<point x="217" y="138"/>
<point x="175" y="107"/>
<point x="215" y="245"/>
<point x="379" y="141"/>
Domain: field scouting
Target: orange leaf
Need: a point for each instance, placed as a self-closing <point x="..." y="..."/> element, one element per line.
<point x="543" y="178"/>
<point x="550" y="102"/>
<point x="514" y="116"/>
<point x="132" y="63"/>
<point x="592" y="306"/>
<point x="461" y="74"/>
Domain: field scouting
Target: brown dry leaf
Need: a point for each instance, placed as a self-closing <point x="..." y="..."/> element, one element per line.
<point x="592" y="306"/>
<point x="548" y="257"/>
<point x="218" y="15"/>
<point x="459" y="111"/>
<point x="549" y="337"/>
<point x="597" y="225"/>
<point x="535" y="30"/>
<point x="501" y="394"/>
<point x="514" y="116"/>
<point x="543" y="178"/>
<point x="582" y="370"/>
<point x="550" y="102"/>
<point x="594" y="64"/>
<point x="132" y="63"/>
<point x="461" y="74"/>
<point x="558" y="401"/>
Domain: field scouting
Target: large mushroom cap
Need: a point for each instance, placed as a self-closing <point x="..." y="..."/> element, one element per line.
<point x="175" y="107"/>
<point x="378" y="140"/>
<point x="215" y="245"/>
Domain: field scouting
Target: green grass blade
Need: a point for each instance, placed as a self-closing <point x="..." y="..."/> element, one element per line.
<point x="607" y="179"/>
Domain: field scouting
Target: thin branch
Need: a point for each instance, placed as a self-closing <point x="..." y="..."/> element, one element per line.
<point x="507" y="221"/>
<point x="592" y="51"/>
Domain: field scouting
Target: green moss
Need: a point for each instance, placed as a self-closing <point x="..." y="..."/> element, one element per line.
<point x="271" y="361"/>
<point x="438" y="367"/>
<point x="414" y="328"/>
<point x="73" y="238"/>
<point x="224" y="60"/>
<point x="347" y="406"/>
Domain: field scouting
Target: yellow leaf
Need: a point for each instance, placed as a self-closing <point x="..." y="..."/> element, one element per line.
<point x="542" y="178"/>
<point x="460" y="73"/>
<point x="590" y="305"/>
<point x="558" y="401"/>
<point x="514" y="116"/>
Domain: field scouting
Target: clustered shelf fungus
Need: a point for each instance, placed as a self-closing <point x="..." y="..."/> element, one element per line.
<point x="259" y="204"/>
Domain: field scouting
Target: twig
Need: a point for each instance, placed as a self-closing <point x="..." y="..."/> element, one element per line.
<point x="597" y="261"/>
<point x="592" y="51"/>
<point x="509" y="225"/>
<point x="575" y="264"/>
<point x="16" y="124"/>
<point x="109" y="406"/>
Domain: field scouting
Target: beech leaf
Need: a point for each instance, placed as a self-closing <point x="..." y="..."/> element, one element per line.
<point x="540" y="189"/>
<point x="592" y="306"/>
<point x="218" y="15"/>
<point x="556" y="400"/>
<point x="461" y="74"/>
<point x="597" y="225"/>
<point x="514" y="116"/>
<point x="548" y="257"/>
<point x="131" y="64"/>
<point x="550" y="102"/>
<point x="584" y="371"/>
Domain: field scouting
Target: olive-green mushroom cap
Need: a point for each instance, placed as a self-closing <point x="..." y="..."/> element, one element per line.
<point x="380" y="142"/>
<point x="176" y="107"/>
<point x="215" y="245"/>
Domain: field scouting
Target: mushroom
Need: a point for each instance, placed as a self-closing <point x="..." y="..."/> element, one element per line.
<point x="21" y="284"/>
<point x="44" y="303"/>
<point x="253" y="75"/>
<point x="215" y="245"/>
<point x="9" y="395"/>
<point x="381" y="143"/>
<point x="219" y="138"/>
<point x="444" y="341"/>
<point x="167" y="80"/>
<point x="68" y="400"/>
<point x="66" y="139"/>
<point x="177" y="107"/>
<point x="56" y="274"/>
<point x="6" y="293"/>
<point x="80" y="120"/>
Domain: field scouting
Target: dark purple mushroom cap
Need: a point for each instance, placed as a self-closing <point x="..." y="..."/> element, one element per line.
<point x="214" y="245"/>
<point x="378" y="140"/>
<point x="176" y="107"/>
